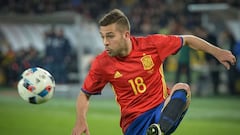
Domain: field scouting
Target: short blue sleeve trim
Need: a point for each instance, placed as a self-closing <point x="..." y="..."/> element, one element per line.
<point x="181" y="40"/>
<point x="88" y="93"/>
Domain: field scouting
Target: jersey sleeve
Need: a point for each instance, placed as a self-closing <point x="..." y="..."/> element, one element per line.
<point x="167" y="44"/>
<point x="94" y="81"/>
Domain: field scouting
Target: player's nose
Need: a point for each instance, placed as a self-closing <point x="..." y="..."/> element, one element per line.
<point x="105" y="42"/>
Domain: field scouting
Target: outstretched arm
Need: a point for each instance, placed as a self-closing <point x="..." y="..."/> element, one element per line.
<point x="225" y="57"/>
<point x="81" y="120"/>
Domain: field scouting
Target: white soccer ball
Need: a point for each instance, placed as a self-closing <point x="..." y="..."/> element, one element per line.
<point x="36" y="85"/>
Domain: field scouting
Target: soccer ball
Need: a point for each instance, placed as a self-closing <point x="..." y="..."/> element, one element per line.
<point x="36" y="85"/>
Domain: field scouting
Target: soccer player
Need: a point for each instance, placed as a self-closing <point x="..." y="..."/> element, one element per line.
<point x="134" y="68"/>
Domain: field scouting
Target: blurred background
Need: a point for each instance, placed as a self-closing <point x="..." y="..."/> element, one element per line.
<point x="62" y="36"/>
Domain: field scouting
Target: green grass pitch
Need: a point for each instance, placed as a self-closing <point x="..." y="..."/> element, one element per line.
<point x="206" y="116"/>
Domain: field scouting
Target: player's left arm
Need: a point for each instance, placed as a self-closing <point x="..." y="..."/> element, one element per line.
<point x="223" y="56"/>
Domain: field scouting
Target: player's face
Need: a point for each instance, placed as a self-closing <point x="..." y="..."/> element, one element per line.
<point x="114" y="40"/>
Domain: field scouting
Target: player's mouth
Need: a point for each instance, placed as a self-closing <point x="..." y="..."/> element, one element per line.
<point x="107" y="50"/>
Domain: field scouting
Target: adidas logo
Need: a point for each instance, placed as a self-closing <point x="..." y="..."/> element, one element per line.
<point x="117" y="74"/>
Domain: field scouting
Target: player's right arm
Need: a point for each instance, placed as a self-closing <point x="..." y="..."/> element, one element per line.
<point x="81" y="125"/>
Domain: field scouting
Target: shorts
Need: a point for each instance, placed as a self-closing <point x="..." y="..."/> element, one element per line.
<point x="140" y="125"/>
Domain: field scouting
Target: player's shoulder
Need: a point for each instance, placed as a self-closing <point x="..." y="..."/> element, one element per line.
<point x="149" y="38"/>
<point x="157" y="38"/>
<point x="147" y="41"/>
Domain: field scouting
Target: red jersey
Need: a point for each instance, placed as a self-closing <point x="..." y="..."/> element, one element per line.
<point x="137" y="79"/>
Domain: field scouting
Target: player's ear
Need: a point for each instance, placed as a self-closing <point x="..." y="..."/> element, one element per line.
<point x="127" y="34"/>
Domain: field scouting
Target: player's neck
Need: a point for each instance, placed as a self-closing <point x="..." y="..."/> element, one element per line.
<point x="128" y="49"/>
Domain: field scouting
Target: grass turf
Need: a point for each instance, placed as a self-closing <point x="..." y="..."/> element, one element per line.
<point x="209" y="116"/>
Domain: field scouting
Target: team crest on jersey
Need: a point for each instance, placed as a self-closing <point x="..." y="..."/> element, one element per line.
<point x="147" y="62"/>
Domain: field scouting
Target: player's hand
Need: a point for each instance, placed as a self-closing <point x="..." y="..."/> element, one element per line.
<point x="81" y="129"/>
<point x="226" y="58"/>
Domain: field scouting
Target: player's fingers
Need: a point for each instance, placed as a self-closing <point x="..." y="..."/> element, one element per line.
<point x="87" y="132"/>
<point x="75" y="133"/>
<point x="227" y="65"/>
<point x="234" y="60"/>
<point x="229" y="57"/>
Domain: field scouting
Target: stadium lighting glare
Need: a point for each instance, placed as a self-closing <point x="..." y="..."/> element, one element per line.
<point x="207" y="7"/>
